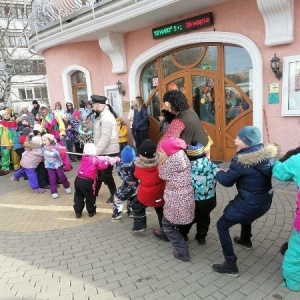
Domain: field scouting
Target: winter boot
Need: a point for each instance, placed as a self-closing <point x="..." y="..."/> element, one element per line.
<point x="228" y="267"/>
<point x="243" y="242"/>
<point x="283" y="248"/>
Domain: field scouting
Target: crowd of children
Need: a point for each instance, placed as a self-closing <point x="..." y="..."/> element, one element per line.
<point x="37" y="150"/>
<point x="178" y="181"/>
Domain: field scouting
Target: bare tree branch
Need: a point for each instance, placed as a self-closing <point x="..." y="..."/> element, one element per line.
<point x="14" y="35"/>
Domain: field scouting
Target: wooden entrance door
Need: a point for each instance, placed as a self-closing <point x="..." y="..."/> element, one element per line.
<point x="217" y="81"/>
<point x="79" y="89"/>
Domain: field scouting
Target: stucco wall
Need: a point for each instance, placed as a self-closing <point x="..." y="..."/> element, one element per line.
<point x="229" y="17"/>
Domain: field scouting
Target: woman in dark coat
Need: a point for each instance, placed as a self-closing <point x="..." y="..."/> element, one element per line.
<point x="140" y="123"/>
<point x="36" y="107"/>
<point x="251" y="171"/>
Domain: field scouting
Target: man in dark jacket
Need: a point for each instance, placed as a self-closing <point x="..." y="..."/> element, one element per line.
<point x="251" y="171"/>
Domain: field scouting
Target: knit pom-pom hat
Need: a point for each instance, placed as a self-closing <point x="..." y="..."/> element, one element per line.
<point x="173" y="145"/>
<point x="24" y="117"/>
<point x="127" y="154"/>
<point x="49" y="136"/>
<point x="76" y="113"/>
<point x="89" y="149"/>
<point x="38" y="127"/>
<point x="195" y="151"/>
<point x="36" y="140"/>
<point x="26" y="131"/>
<point x="250" y="135"/>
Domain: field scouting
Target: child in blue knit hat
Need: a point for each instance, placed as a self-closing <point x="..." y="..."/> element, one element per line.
<point x="128" y="189"/>
<point x="251" y="171"/>
<point x="203" y="173"/>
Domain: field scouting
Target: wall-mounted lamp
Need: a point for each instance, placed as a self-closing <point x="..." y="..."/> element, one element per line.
<point x="120" y="88"/>
<point x="275" y="66"/>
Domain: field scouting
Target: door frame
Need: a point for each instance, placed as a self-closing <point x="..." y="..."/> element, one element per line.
<point x="206" y="37"/>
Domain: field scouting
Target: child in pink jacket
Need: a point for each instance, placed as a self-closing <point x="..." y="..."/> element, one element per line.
<point x="86" y="179"/>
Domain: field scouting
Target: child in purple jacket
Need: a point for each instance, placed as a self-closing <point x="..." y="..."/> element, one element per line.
<point x="31" y="158"/>
<point x="86" y="179"/>
<point x="53" y="153"/>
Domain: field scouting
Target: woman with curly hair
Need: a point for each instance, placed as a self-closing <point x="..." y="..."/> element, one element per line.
<point x="186" y="123"/>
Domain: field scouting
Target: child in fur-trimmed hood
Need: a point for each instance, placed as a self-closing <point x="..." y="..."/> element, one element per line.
<point x="251" y="171"/>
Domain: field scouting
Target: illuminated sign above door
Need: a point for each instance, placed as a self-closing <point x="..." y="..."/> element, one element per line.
<point x="183" y="25"/>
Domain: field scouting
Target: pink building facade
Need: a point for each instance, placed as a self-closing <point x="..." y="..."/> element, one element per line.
<point x="223" y="68"/>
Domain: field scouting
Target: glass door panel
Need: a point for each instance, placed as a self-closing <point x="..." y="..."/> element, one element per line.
<point x="81" y="96"/>
<point x="235" y="104"/>
<point x="176" y="84"/>
<point x="204" y="98"/>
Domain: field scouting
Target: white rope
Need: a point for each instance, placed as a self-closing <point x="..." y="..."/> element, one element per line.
<point x="80" y="153"/>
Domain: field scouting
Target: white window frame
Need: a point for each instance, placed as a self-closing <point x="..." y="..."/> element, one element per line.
<point x="290" y="96"/>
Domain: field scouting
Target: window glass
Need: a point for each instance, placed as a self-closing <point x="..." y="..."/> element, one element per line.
<point x="149" y="79"/>
<point x="154" y="106"/>
<point x="238" y="67"/>
<point x="78" y="77"/>
<point x="37" y="92"/>
<point x="235" y="103"/>
<point x="44" y="93"/>
<point x="22" y="94"/>
<point x="209" y="61"/>
<point x="188" y="56"/>
<point x="204" y="98"/>
<point x="168" y="67"/>
<point x="29" y="94"/>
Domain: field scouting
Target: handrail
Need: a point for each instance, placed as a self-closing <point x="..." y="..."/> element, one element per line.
<point x="45" y="12"/>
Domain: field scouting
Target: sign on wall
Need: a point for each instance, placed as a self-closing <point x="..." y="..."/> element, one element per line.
<point x="194" y="23"/>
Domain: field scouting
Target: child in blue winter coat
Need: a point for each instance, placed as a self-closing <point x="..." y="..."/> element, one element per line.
<point x="251" y="171"/>
<point x="128" y="189"/>
<point x="203" y="173"/>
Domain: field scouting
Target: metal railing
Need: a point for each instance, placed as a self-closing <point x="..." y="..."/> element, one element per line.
<point x="45" y="12"/>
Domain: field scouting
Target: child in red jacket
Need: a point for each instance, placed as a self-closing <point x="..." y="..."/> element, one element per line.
<point x="151" y="187"/>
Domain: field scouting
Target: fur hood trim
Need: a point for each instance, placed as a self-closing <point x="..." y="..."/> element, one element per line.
<point x="145" y="163"/>
<point x="256" y="157"/>
<point x="31" y="145"/>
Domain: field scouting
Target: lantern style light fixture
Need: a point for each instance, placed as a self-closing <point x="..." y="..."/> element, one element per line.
<point x="275" y="66"/>
<point x="120" y="88"/>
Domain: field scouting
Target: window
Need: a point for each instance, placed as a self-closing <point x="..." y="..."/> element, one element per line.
<point x="16" y="39"/>
<point x="40" y="92"/>
<point x="29" y="67"/>
<point x="14" y="10"/>
<point x="37" y="92"/>
<point x="4" y="11"/>
<point x="291" y="86"/>
<point x="78" y="77"/>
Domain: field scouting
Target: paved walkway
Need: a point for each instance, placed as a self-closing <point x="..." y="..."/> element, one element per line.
<point x="46" y="253"/>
